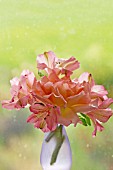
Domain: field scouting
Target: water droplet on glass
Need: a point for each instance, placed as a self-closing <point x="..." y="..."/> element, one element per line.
<point x="87" y="145"/>
<point x="24" y="157"/>
<point x="20" y="155"/>
<point x="25" y="146"/>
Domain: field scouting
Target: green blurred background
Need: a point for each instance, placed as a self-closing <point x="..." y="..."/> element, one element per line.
<point x="82" y="28"/>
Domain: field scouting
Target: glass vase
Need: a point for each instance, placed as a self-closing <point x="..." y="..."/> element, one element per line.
<point x="56" y="152"/>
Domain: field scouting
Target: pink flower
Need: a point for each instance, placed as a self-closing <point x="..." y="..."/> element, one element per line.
<point x="49" y="61"/>
<point x="44" y="117"/>
<point x="70" y="97"/>
<point x="20" y="91"/>
<point x="98" y="95"/>
<point x="101" y="114"/>
<point x="56" y="99"/>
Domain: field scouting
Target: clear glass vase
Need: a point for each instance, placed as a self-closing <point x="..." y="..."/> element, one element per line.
<point x="56" y="152"/>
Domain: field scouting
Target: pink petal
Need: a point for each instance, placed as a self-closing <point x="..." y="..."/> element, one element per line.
<point x="98" y="127"/>
<point x="38" y="107"/>
<point x="64" y="89"/>
<point x="82" y="108"/>
<point x="32" y="118"/>
<point x="66" y="72"/>
<point x="84" y="77"/>
<point x="106" y="103"/>
<point x="51" y="123"/>
<point x="46" y="60"/>
<point x="72" y="64"/>
<point x="99" y="89"/>
<point x="14" y="81"/>
<point x="102" y="114"/>
<point x="69" y="64"/>
<point x="81" y="98"/>
<point x="67" y="117"/>
<point x="57" y="100"/>
<point x="8" y="104"/>
<point x="14" y="90"/>
<point x="53" y="76"/>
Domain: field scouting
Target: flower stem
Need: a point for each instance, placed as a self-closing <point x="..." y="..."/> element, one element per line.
<point x="56" y="151"/>
<point x="59" y="139"/>
<point x="50" y="136"/>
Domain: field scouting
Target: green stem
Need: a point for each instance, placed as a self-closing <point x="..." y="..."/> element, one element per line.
<point x="50" y="136"/>
<point x="56" y="151"/>
<point x="59" y="139"/>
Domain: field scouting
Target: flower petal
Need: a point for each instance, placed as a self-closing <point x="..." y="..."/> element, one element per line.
<point x="80" y="98"/>
<point x="106" y="103"/>
<point x="98" y="127"/>
<point x="101" y="114"/>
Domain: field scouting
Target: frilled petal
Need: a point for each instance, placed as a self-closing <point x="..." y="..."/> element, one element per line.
<point x="46" y="60"/>
<point x="27" y="79"/>
<point x="52" y="118"/>
<point x="106" y="103"/>
<point x="98" y="90"/>
<point x="7" y="104"/>
<point x="80" y="98"/>
<point x="64" y="89"/>
<point x="101" y="114"/>
<point x="68" y="116"/>
<point x="44" y="117"/>
<point x="67" y="73"/>
<point x="14" y="90"/>
<point x="49" y="61"/>
<point x="48" y="87"/>
<point x="51" y="122"/>
<point x="38" y="89"/>
<point x="15" y="104"/>
<point x="69" y="64"/>
<point x="57" y="100"/>
<point x="41" y="124"/>
<point x="38" y="121"/>
<point x="22" y="102"/>
<point x="53" y="76"/>
<point x="20" y="91"/>
<point x="38" y="107"/>
<point x="98" y="127"/>
<point x="85" y="77"/>
<point x="82" y="108"/>
<point x="15" y="86"/>
<point x="14" y="81"/>
<point x="33" y="118"/>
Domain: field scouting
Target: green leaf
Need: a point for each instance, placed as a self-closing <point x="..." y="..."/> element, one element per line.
<point x="40" y="74"/>
<point x="83" y="121"/>
<point x="87" y="119"/>
<point x="83" y="115"/>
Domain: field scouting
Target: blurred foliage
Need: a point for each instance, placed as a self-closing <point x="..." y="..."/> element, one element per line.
<point x="80" y="28"/>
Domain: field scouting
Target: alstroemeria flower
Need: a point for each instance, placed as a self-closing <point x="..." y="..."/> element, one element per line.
<point x="100" y="114"/>
<point x="44" y="117"/>
<point x="20" y="91"/>
<point x="57" y="99"/>
<point x="70" y="97"/>
<point x="98" y="95"/>
<point x="49" y="61"/>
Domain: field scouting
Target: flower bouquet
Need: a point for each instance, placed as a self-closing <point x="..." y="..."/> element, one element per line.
<point x="56" y="101"/>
